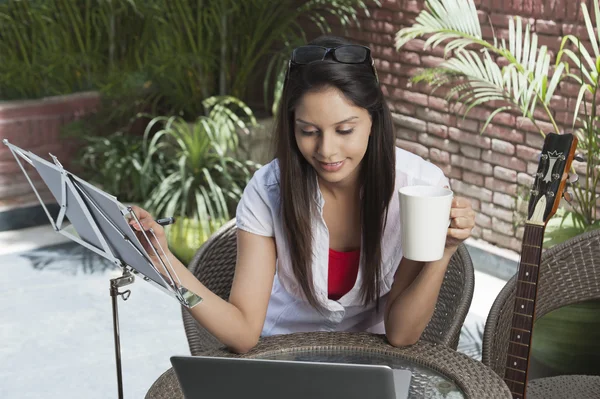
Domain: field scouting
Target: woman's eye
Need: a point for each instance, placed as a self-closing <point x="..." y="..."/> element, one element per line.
<point x="308" y="132"/>
<point x="347" y="131"/>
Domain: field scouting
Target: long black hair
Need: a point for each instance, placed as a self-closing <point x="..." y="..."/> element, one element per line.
<point x="298" y="178"/>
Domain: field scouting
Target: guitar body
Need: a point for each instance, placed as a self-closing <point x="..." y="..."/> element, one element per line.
<point x="550" y="180"/>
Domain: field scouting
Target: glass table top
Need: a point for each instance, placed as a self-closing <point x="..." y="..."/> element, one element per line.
<point x="425" y="383"/>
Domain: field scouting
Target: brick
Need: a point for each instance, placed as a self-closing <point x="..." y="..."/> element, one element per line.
<point x="406" y="134"/>
<point x="429" y="115"/>
<point x="547" y="27"/>
<point x="527" y="125"/>
<point x="413" y="147"/>
<point x="437" y="103"/>
<point x="416" y="45"/>
<point x="409" y="58"/>
<point x="392" y="5"/>
<point x="504" y="160"/>
<point x="502" y="227"/>
<point x="559" y="103"/>
<point x="497" y="19"/>
<point x="468" y="125"/>
<point x="470" y="152"/>
<point x="505" y="174"/>
<point x="575" y="30"/>
<point x="503" y="146"/>
<point x="504" y="118"/>
<point x="381" y="14"/>
<point x="410" y="123"/>
<point x="476" y="232"/>
<point x="414" y="6"/>
<point x="437" y="130"/>
<point x="442" y="144"/>
<point x="497" y="212"/>
<point x="430" y="61"/>
<point x="439" y="156"/>
<point x="454" y="172"/>
<point x="528" y="153"/>
<point x="412" y="97"/>
<point x="469" y="190"/>
<point x="504" y="200"/>
<point x="500" y="186"/>
<point x="473" y="178"/>
<point x="469" y="138"/>
<point x="525" y="180"/>
<point x="535" y="140"/>
<point x="532" y="168"/>
<point x="482" y="220"/>
<point x="402" y="108"/>
<point x="472" y="165"/>
<point x="475" y="204"/>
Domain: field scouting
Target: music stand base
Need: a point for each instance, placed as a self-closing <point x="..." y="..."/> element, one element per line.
<point x="115" y="283"/>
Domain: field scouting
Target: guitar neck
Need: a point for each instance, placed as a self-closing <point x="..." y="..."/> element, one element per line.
<point x="517" y="360"/>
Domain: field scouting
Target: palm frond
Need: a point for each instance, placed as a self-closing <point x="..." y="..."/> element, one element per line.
<point x="452" y="20"/>
<point x="475" y="76"/>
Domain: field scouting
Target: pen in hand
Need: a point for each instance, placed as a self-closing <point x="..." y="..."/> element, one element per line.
<point x="165" y="221"/>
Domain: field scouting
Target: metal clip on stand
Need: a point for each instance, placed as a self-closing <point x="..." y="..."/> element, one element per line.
<point x="98" y="222"/>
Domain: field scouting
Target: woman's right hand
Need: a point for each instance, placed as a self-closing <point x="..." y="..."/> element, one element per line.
<point x="148" y="222"/>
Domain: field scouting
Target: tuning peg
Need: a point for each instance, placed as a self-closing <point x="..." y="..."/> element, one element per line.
<point x="579" y="158"/>
<point x="568" y="196"/>
<point x="573" y="178"/>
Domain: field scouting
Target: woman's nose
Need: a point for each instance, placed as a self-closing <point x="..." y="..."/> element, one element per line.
<point x="328" y="146"/>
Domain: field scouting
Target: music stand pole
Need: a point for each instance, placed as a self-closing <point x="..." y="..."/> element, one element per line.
<point x="116" y="283"/>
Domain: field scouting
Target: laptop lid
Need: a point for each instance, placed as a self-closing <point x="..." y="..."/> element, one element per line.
<point x="224" y="378"/>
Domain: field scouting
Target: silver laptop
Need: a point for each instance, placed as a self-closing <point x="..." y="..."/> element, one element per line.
<point x="225" y="378"/>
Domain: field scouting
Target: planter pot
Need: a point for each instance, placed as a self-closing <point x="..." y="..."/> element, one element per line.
<point x="185" y="237"/>
<point x="567" y="340"/>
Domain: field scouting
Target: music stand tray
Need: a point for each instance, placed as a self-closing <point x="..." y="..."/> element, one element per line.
<point x="99" y="223"/>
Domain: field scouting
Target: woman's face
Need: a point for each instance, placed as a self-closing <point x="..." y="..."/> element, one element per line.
<point x="332" y="134"/>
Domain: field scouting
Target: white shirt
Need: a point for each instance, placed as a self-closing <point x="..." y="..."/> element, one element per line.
<point x="288" y="311"/>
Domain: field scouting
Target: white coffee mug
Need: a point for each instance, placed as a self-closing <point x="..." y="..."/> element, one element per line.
<point x="424" y="221"/>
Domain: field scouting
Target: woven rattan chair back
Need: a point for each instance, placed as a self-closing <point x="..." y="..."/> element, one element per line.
<point x="569" y="274"/>
<point x="214" y="266"/>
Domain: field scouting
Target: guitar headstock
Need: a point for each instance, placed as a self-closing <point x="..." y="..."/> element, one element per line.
<point x="551" y="177"/>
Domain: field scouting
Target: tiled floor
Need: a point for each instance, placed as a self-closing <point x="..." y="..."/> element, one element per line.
<point x="56" y="322"/>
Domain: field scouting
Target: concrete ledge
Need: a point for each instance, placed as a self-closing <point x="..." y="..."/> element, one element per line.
<point x="492" y="260"/>
<point x="31" y="216"/>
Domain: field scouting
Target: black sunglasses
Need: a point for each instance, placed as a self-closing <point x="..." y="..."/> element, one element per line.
<point x="344" y="54"/>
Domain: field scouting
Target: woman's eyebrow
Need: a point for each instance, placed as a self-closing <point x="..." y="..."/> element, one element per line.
<point x="337" y="123"/>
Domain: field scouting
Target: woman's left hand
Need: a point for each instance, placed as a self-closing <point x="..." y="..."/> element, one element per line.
<point x="462" y="218"/>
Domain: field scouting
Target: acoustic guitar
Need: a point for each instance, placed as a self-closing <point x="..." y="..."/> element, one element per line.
<point x="548" y="189"/>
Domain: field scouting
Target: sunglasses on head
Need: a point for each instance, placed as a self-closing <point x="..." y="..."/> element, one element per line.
<point x="344" y="54"/>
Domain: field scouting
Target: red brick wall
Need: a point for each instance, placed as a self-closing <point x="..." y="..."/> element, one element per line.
<point x="34" y="126"/>
<point x="486" y="168"/>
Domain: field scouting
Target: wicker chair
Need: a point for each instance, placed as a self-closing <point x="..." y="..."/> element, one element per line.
<point x="569" y="273"/>
<point x="214" y="265"/>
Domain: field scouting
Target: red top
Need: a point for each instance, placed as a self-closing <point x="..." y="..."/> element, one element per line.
<point x="343" y="269"/>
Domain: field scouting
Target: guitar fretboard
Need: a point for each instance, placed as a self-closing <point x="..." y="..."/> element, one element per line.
<point x="517" y="360"/>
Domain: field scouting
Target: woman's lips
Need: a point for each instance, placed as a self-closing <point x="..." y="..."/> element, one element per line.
<point x="331" y="166"/>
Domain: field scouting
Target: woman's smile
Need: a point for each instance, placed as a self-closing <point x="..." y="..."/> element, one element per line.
<point x="331" y="166"/>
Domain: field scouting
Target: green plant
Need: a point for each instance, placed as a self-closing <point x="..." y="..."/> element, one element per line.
<point x="525" y="84"/>
<point x="52" y="47"/>
<point x="114" y="162"/>
<point x="196" y="173"/>
<point x="203" y="48"/>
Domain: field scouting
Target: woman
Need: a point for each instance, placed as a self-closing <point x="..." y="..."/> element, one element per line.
<point x="318" y="228"/>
